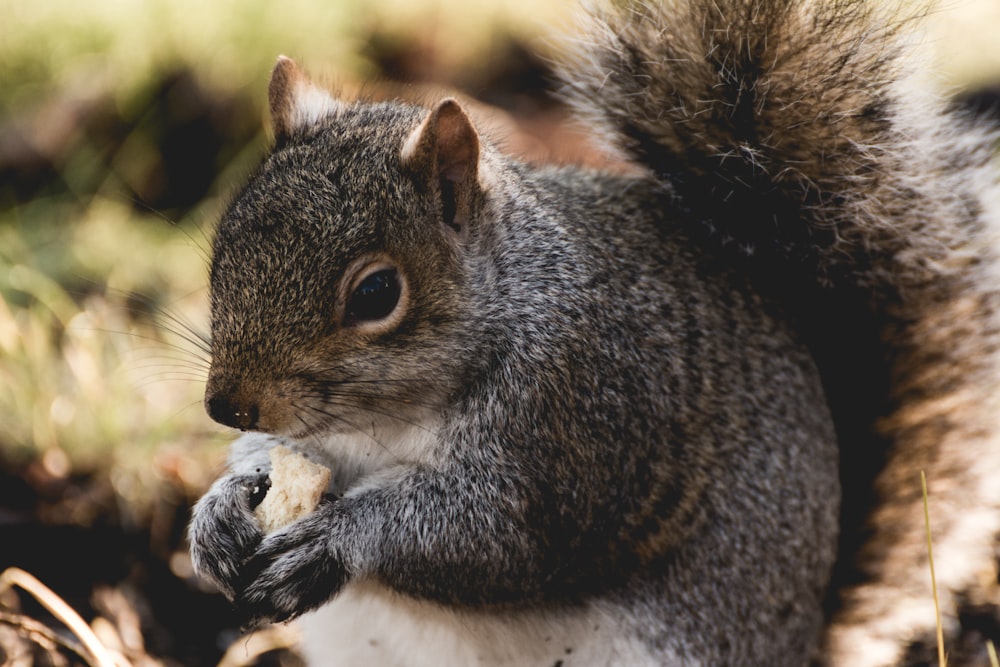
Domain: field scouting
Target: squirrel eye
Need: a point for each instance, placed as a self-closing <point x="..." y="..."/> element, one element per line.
<point x="374" y="298"/>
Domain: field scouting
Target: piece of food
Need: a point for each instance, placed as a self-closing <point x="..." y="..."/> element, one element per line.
<point x="297" y="484"/>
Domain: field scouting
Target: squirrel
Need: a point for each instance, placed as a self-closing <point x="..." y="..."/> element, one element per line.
<point x="675" y="417"/>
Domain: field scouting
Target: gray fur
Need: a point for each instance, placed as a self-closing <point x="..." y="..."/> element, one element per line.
<point x="615" y="392"/>
<point x="808" y="145"/>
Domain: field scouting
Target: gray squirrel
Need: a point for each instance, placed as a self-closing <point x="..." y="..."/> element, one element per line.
<point x="669" y="418"/>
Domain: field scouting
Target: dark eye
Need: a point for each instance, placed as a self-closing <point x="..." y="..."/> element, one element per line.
<point x="374" y="299"/>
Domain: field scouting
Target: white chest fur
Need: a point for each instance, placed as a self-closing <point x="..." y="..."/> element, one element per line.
<point x="362" y="458"/>
<point x="368" y="624"/>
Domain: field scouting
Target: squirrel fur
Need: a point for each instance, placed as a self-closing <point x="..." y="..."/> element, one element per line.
<point x="575" y="418"/>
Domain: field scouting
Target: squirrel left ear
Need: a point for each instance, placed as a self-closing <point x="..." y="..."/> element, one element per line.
<point x="295" y="101"/>
<point x="446" y="146"/>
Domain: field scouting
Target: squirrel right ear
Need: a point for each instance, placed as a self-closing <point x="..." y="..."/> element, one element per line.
<point x="446" y="146"/>
<point x="295" y="101"/>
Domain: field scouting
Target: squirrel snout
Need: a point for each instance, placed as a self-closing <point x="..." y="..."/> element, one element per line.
<point x="229" y="410"/>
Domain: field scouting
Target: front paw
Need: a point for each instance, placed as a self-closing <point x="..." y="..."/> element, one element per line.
<point x="223" y="531"/>
<point x="293" y="571"/>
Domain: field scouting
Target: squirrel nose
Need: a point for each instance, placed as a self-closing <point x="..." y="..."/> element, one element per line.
<point x="231" y="411"/>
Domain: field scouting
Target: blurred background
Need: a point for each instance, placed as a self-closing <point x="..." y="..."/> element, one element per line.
<point x="124" y="126"/>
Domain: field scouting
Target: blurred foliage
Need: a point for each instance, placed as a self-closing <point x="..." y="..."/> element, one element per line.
<point x="121" y="122"/>
<point x="48" y="46"/>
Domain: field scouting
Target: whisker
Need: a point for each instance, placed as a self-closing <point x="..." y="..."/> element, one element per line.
<point x="159" y="342"/>
<point x="188" y="334"/>
<point x="340" y="418"/>
<point x="201" y="249"/>
<point x="344" y="382"/>
<point x="178" y="367"/>
<point x="171" y="376"/>
<point x="339" y="391"/>
<point x="327" y="396"/>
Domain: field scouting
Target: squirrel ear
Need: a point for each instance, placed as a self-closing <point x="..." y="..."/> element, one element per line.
<point x="295" y="101"/>
<point x="446" y="146"/>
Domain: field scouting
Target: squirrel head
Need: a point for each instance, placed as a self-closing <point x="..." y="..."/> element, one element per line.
<point x="339" y="278"/>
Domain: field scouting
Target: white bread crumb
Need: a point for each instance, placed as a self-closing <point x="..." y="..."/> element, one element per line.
<point x="297" y="484"/>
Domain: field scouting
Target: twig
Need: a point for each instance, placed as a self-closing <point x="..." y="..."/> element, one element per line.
<point x="246" y="650"/>
<point x="57" y="607"/>
<point x="41" y="634"/>
<point x="930" y="557"/>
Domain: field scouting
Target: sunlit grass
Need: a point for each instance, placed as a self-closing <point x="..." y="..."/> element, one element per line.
<point x="95" y="370"/>
<point x="99" y="298"/>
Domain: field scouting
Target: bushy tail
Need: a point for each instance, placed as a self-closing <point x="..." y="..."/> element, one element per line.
<point x="787" y="127"/>
<point x="803" y="137"/>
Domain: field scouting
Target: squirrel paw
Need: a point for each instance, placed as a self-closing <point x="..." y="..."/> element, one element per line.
<point x="223" y="531"/>
<point x="293" y="571"/>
